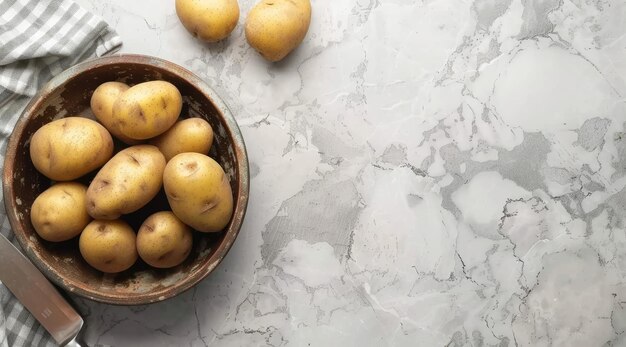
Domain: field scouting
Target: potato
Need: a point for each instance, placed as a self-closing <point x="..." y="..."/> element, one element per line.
<point x="189" y="135"/>
<point x="102" y="101"/>
<point x="208" y="20"/>
<point x="126" y="183"/>
<point x="68" y="148"/>
<point x="276" y="27"/>
<point x="108" y="245"/>
<point x="163" y="241"/>
<point x="147" y="109"/>
<point x="198" y="191"/>
<point x="60" y="212"/>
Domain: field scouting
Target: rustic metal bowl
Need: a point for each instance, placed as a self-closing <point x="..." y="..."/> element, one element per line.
<point x="69" y="94"/>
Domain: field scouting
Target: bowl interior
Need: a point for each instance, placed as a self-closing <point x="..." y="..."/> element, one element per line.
<point x="69" y="95"/>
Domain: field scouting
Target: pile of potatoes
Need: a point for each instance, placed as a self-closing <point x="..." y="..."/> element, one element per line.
<point x="273" y="27"/>
<point x="161" y="151"/>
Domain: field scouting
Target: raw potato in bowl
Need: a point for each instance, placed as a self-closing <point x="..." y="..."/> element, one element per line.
<point x="198" y="191"/>
<point x="189" y="135"/>
<point x="147" y="109"/>
<point x="60" y="212"/>
<point x="163" y="241"/>
<point x="108" y="245"/>
<point x="68" y="148"/>
<point x="101" y="103"/>
<point x="126" y="183"/>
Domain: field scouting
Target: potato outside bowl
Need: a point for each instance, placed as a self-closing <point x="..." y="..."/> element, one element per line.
<point x="69" y="94"/>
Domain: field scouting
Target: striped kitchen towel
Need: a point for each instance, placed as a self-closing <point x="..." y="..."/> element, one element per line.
<point x="38" y="39"/>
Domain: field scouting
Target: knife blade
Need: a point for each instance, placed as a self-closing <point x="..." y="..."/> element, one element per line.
<point x="38" y="295"/>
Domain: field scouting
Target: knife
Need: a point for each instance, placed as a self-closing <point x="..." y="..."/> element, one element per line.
<point x="38" y="295"/>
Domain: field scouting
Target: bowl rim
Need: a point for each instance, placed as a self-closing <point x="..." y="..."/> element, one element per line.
<point x="198" y="273"/>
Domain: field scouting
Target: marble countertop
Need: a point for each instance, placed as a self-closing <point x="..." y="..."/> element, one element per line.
<point x="424" y="173"/>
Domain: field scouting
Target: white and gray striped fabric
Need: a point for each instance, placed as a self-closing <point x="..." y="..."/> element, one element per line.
<point x="38" y="39"/>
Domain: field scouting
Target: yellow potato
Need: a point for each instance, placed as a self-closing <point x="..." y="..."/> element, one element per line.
<point x="108" y="245"/>
<point x="189" y="135"/>
<point x="276" y="27"/>
<point x="208" y="20"/>
<point x="60" y="212"/>
<point x="198" y="191"/>
<point x="126" y="183"/>
<point x="147" y="109"/>
<point x="102" y="101"/>
<point x="163" y="241"/>
<point x="68" y="148"/>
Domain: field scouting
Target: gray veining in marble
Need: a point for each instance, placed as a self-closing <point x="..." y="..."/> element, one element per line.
<point x="424" y="173"/>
